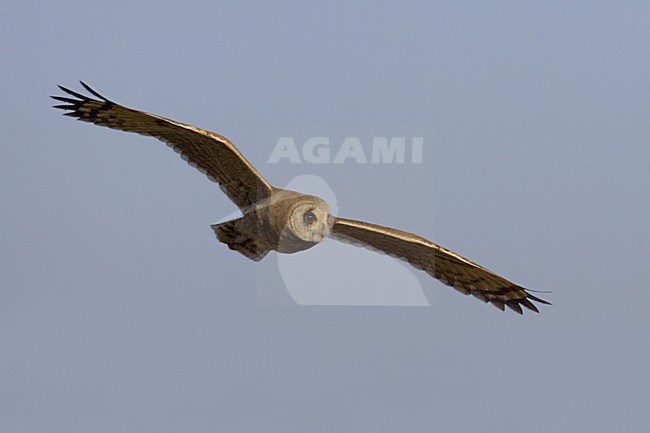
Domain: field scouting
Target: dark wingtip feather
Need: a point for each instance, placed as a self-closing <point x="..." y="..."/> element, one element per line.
<point x="536" y="299"/>
<point x="64" y="107"/>
<point x="75" y="94"/>
<point x="499" y="304"/>
<point x="514" y="306"/>
<point x="64" y="99"/>
<point x="526" y="303"/>
<point x="87" y="87"/>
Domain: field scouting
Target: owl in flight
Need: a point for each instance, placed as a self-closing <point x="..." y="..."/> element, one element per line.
<point x="287" y="221"/>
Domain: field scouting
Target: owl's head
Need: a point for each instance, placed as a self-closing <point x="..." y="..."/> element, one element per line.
<point x="308" y="219"/>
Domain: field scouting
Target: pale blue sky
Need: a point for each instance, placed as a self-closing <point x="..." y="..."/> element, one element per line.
<point x="120" y="312"/>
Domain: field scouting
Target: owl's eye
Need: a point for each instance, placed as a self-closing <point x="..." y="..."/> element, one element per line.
<point x="309" y="217"/>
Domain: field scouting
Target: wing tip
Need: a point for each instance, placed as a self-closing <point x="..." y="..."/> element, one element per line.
<point x="74" y="107"/>
<point x="93" y="92"/>
<point x="499" y="304"/>
<point x="64" y="107"/>
<point x="80" y="98"/>
<point x="536" y="299"/>
<point x="73" y="93"/>
<point x="516" y="304"/>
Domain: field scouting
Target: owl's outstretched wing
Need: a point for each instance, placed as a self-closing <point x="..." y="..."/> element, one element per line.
<point x="210" y="153"/>
<point x="448" y="267"/>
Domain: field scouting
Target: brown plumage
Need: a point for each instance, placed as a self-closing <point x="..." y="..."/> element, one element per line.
<point x="210" y="153"/>
<point x="444" y="265"/>
<point x="288" y="221"/>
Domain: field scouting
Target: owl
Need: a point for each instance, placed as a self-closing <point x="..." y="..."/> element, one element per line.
<point x="276" y="219"/>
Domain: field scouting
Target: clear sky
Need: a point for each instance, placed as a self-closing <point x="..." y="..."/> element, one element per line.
<point x="120" y="312"/>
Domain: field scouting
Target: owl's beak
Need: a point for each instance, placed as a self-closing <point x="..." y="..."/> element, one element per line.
<point x="326" y="229"/>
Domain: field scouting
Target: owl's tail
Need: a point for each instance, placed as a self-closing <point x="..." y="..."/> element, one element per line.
<point x="233" y="233"/>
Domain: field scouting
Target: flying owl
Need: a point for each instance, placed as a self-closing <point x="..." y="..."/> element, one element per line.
<point x="285" y="221"/>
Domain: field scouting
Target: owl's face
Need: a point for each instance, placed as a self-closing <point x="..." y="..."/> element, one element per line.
<point x="309" y="219"/>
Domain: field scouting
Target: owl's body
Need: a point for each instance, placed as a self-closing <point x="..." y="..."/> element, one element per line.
<point x="275" y="219"/>
<point x="276" y="223"/>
